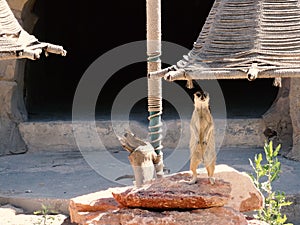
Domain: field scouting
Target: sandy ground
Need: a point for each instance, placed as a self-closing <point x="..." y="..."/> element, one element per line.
<point x="66" y="174"/>
<point x="10" y="215"/>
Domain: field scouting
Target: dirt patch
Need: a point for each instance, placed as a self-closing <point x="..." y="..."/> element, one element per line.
<point x="11" y="215"/>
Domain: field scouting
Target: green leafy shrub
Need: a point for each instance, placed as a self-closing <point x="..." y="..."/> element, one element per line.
<point x="265" y="175"/>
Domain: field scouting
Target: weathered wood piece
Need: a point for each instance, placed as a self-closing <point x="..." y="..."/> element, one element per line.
<point x="142" y="157"/>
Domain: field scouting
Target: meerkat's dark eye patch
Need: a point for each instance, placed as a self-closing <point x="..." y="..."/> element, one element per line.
<point x="198" y="94"/>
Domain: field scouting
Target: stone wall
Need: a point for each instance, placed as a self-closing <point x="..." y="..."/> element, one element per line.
<point x="278" y="118"/>
<point x="284" y="118"/>
<point x="12" y="109"/>
<point x="58" y="135"/>
<point x="294" y="97"/>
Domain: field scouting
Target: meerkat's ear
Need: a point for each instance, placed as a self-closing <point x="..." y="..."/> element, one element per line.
<point x="207" y="95"/>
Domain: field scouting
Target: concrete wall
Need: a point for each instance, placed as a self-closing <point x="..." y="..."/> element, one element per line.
<point x="58" y="135"/>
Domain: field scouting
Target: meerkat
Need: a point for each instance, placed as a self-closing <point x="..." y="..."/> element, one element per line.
<point x="202" y="142"/>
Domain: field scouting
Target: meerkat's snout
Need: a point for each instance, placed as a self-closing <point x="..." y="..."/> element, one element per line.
<point x="202" y="96"/>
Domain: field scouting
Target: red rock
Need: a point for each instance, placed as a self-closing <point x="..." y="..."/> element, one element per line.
<point x="101" y="207"/>
<point x="84" y="218"/>
<point x="244" y="195"/>
<point x="174" y="192"/>
<point x="211" y="216"/>
<point x="98" y="201"/>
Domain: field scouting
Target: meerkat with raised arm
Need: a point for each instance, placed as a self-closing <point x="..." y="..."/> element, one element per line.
<point x="202" y="142"/>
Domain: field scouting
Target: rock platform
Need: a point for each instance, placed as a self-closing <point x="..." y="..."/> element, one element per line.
<point x="171" y="200"/>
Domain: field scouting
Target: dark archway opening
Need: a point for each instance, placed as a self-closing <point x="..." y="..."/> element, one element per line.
<point x="89" y="29"/>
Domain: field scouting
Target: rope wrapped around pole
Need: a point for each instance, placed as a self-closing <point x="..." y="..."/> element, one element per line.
<point x="154" y="85"/>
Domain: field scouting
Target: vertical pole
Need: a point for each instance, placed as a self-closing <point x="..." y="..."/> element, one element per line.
<point x="154" y="85"/>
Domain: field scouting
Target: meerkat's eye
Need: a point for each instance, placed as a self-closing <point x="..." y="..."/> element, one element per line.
<point x="198" y="94"/>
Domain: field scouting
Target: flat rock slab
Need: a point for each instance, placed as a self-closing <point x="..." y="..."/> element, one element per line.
<point x="232" y="188"/>
<point x="98" y="201"/>
<point x="174" y="192"/>
<point x="81" y="208"/>
<point x="245" y="196"/>
<point x="211" y="216"/>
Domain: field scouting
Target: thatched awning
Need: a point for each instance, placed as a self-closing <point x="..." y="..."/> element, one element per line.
<point x="15" y="42"/>
<point x="244" y="39"/>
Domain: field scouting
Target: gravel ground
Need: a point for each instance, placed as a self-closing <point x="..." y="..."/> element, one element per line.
<point x="10" y="215"/>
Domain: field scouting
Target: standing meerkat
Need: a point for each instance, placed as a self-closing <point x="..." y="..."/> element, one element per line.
<point x="202" y="142"/>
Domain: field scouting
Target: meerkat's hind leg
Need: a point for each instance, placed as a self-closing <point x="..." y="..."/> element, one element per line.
<point x="210" y="171"/>
<point x="212" y="180"/>
<point x="193" y="167"/>
<point x="193" y="180"/>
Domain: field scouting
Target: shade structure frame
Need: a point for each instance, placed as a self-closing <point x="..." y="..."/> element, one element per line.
<point x="237" y="38"/>
<point x="16" y="43"/>
<point x="170" y="74"/>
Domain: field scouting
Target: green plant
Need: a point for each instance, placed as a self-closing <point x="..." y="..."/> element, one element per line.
<point x="46" y="213"/>
<point x="265" y="175"/>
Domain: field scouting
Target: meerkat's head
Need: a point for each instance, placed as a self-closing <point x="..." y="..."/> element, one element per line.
<point x="201" y="99"/>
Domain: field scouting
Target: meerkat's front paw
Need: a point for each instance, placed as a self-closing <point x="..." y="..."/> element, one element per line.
<point x="212" y="180"/>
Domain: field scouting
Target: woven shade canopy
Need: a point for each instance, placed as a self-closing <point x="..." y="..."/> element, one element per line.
<point x="15" y="42"/>
<point x="244" y="39"/>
